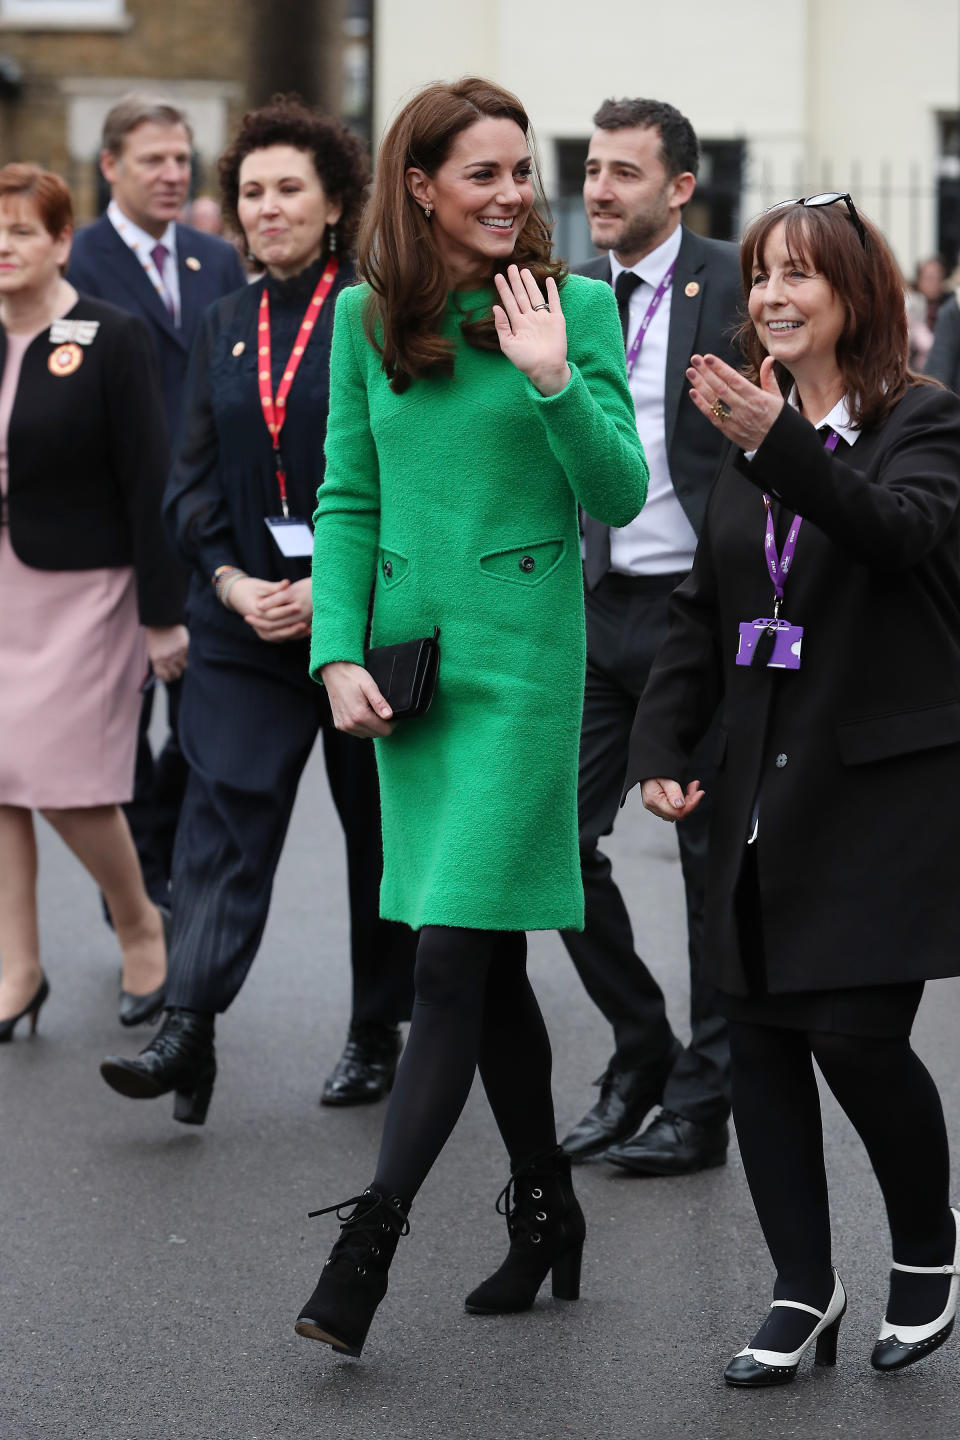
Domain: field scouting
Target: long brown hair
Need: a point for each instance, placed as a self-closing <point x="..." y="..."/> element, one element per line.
<point x="396" y="252"/>
<point x="872" y="351"/>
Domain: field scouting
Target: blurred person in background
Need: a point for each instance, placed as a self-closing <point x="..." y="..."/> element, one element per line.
<point x="240" y="500"/>
<point x="86" y="597"/>
<point x="924" y="299"/>
<point x="140" y="258"/>
<point x="205" y="213"/>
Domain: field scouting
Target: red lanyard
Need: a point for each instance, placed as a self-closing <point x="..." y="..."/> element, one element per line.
<point x="274" y="411"/>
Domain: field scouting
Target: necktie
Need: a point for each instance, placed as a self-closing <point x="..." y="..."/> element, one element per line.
<point x="627" y="282"/>
<point x="158" y="255"/>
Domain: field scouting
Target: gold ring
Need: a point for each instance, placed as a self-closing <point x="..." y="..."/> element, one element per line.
<point x="722" y="412"/>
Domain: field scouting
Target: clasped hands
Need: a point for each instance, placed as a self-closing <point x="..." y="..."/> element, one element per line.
<point x="744" y="412"/>
<point x="275" y="609"/>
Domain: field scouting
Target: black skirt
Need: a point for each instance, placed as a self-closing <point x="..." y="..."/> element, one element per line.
<point x="878" y="1011"/>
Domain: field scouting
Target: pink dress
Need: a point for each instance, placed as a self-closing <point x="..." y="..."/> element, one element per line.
<point x="72" y="659"/>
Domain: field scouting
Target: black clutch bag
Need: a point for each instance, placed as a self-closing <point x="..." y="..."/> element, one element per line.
<point x="406" y="674"/>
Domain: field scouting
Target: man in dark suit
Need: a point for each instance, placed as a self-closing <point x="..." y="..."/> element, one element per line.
<point x="678" y="294"/>
<point x="139" y="258"/>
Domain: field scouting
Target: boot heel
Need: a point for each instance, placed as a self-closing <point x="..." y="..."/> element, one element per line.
<point x="190" y="1106"/>
<point x="566" y="1275"/>
<point x="826" y="1351"/>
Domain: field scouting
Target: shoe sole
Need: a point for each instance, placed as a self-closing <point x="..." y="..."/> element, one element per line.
<point x="309" y="1331"/>
<point x="343" y="1102"/>
<point x="666" y="1171"/>
<point x="129" y="1083"/>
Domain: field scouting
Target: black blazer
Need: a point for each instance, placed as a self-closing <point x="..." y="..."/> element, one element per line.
<point x="102" y="264"/>
<point x="943" y="362"/>
<point x="223" y="481"/>
<point x="87" y="454"/>
<point x="854" y="759"/>
<point x="701" y="323"/>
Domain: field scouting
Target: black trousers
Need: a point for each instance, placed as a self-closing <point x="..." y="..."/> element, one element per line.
<point x="626" y="623"/>
<point x="247" y="728"/>
<point x="158" y="789"/>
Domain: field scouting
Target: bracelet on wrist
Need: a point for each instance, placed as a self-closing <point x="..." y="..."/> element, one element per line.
<point x="227" y="584"/>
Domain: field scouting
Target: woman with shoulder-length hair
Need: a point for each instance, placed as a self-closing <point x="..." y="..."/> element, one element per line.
<point x="241" y="493"/>
<point x="85" y="599"/>
<point x="822" y="617"/>
<point x="477" y="394"/>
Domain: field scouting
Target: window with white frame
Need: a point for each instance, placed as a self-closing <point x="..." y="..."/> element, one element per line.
<point x="64" y="14"/>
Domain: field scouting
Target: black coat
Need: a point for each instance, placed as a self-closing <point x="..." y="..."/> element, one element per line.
<point x="223" y="482"/>
<point x="700" y="322"/>
<point x="102" y="264"/>
<point x="853" y="760"/>
<point x="87" y="454"/>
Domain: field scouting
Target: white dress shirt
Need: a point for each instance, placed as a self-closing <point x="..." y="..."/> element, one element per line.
<point x="661" y="540"/>
<point x="167" y="285"/>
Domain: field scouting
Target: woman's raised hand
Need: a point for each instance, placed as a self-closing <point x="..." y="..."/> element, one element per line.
<point x="744" y="412"/>
<point x="357" y="705"/>
<point x="531" y="329"/>
<point x="666" y="798"/>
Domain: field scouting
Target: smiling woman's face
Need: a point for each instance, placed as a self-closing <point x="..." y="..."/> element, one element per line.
<point x="480" y="196"/>
<point x="798" y="316"/>
<point x="283" y="208"/>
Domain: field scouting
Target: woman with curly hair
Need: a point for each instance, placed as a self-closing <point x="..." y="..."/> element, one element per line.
<point x="243" y="487"/>
<point x="479" y="393"/>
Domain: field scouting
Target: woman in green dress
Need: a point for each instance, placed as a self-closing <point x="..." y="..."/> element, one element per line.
<point x="478" y="395"/>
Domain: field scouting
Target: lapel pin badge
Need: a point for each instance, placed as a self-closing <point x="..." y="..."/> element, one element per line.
<point x="690" y="289"/>
<point x="239" y="348"/>
<point x="192" y="262"/>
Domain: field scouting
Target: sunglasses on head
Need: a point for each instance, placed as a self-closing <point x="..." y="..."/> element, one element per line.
<point x="829" y="197"/>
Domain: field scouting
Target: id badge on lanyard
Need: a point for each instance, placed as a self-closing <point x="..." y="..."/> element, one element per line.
<point x="773" y="643"/>
<point x="293" y="536"/>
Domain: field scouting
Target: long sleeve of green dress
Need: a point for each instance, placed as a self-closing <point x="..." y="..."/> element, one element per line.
<point x="456" y="503"/>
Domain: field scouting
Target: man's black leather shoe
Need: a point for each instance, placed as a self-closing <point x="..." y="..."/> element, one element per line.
<point x="625" y="1098"/>
<point x="364" y="1073"/>
<point x="671" y="1145"/>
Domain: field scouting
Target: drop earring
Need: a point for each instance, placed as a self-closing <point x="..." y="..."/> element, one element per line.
<point x="427" y="211"/>
<point x="332" y="241"/>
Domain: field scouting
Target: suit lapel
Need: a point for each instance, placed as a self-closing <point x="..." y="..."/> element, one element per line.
<point x="193" y="285"/>
<point x="684" y="319"/>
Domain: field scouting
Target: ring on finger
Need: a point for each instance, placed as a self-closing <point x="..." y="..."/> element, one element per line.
<point x="542" y="306"/>
<point x="722" y="412"/>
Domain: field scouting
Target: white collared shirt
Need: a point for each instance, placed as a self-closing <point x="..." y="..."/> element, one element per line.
<point x="661" y="540"/>
<point x="166" y="285"/>
<point x="838" y="419"/>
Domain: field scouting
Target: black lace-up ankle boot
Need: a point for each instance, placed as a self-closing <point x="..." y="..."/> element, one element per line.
<point x="180" y="1057"/>
<point x="354" y="1279"/>
<point x="546" y="1229"/>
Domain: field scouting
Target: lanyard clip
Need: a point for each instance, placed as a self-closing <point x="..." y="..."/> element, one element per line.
<point x="778" y="600"/>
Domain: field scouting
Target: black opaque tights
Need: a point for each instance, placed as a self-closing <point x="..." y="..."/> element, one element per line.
<point x="892" y="1102"/>
<point x="474" y="1006"/>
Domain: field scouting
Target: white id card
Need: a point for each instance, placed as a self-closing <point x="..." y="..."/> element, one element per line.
<point x="294" y="537"/>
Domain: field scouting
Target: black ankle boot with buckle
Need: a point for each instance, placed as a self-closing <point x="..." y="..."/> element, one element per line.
<point x="547" y="1231"/>
<point x="180" y="1057"/>
<point x="354" y="1279"/>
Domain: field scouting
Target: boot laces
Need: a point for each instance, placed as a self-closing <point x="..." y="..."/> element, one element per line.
<point x="519" y="1207"/>
<point x="375" y="1219"/>
<point x="168" y="1043"/>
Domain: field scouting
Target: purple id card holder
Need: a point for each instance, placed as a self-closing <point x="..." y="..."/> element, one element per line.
<point x="786" y="642"/>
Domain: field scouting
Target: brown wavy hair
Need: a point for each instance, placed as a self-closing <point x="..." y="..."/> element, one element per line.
<point x="872" y="350"/>
<point x="397" y="253"/>
<point x="339" y="158"/>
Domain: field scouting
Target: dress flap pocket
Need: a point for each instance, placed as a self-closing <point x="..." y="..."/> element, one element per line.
<point x="882" y="736"/>
<point x="524" y="564"/>
<point x="392" y="567"/>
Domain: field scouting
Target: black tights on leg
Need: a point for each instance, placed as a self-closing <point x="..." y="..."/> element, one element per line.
<point x="473" y="1004"/>
<point x="892" y="1102"/>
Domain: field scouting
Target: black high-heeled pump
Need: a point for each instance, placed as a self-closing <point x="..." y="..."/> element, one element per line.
<point x="180" y="1057"/>
<point x="141" y="1009"/>
<point x="754" y="1368"/>
<point x="547" y="1231"/>
<point x="901" y="1345"/>
<point x="32" y="1009"/>
<point x="354" y="1279"/>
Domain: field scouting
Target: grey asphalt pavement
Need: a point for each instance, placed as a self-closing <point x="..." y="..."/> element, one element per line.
<point x="151" y="1273"/>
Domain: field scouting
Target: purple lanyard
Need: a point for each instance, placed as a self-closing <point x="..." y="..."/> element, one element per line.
<point x="652" y="309"/>
<point x="779" y="567"/>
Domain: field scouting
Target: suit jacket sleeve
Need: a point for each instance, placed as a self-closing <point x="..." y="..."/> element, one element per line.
<point x="943" y="362"/>
<point x="195" y="506"/>
<point x="685" y="685"/>
<point x="81" y="274"/>
<point x="591" y="425"/>
<point x="890" y="520"/>
<point x="139" y="446"/>
<point x="347" y="518"/>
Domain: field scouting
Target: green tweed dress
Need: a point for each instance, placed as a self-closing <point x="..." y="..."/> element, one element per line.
<point x="457" y="503"/>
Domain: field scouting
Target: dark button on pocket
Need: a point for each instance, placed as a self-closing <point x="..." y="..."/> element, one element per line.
<point x="527" y="564"/>
<point x="387" y="568"/>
